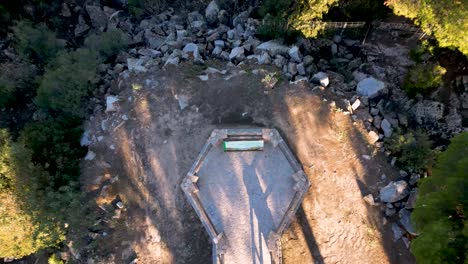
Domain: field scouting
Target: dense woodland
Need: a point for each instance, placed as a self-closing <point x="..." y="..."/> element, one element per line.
<point x="48" y="75"/>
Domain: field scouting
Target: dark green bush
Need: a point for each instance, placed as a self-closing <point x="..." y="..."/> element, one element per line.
<point x="412" y="147"/>
<point x="36" y="42"/>
<point x="440" y="212"/>
<point x="108" y="44"/>
<point x="275" y="24"/>
<point x="140" y="8"/>
<point x="68" y="80"/>
<point x="55" y="147"/>
<point x="422" y="78"/>
<point x="17" y="81"/>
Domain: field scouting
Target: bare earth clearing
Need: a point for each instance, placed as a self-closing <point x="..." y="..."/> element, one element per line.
<point x="149" y="144"/>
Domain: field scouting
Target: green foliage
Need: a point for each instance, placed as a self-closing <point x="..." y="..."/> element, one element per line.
<point x="68" y="80"/>
<point x="17" y="80"/>
<point x="36" y="42"/>
<point x="6" y="169"/>
<point x="275" y="21"/>
<point x="413" y="147"/>
<point x="445" y="20"/>
<point x="422" y="78"/>
<point x="439" y="214"/>
<point x="140" y="8"/>
<point x="307" y="12"/>
<point x="108" y="44"/>
<point x="53" y="259"/>
<point x="55" y="147"/>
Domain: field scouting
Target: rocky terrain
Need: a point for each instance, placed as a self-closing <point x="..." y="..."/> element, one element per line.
<point x="359" y="81"/>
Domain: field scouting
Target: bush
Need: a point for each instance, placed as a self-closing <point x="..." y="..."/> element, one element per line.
<point x="275" y="21"/>
<point x="440" y="212"/>
<point x="413" y="148"/>
<point x="17" y="80"/>
<point x="55" y="147"/>
<point x="108" y="44"/>
<point x="6" y="169"/>
<point x="36" y="42"/>
<point x="307" y="12"/>
<point x="422" y="78"/>
<point x="67" y="82"/>
<point x="140" y="8"/>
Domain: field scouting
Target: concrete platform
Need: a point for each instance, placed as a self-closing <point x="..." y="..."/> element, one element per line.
<point x="246" y="199"/>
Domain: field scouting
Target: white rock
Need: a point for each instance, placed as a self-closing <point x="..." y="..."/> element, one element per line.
<point x="373" y="137"/>
<point x="191" y="49"/>
<point x="111" y="103"/>
<point x="394" y="191"/>
<point x="183" y="101"/>
<point x="203" y="77"/>
<point x="295" y="54"/>
<point x="322" y="78"/>
<point x="370" y="87"/>
<point x="219" y="43"/>
<point x="84" y="141"/>
<point x="273" y="48"/>
<point x="369" y="199"/>
<point x="211" y="12"/>
<point x="236" y="53"/>
<point x="301" y="69"/>
<point x="356" y="104"/>
<point x="217" y="51"/>
<point x="386" y="127"/>
<point x="136" y="65"/>
<point x="90" y="155"/>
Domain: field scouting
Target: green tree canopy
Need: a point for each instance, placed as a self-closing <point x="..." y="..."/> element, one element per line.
<point x="446" y="20"/>
<point x="439" y="214"/>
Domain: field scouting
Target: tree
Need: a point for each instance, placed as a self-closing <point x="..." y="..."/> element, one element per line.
<point x="447" y="21"/>
<point x="307" y="12"/>
<point x="68" y="80"/>
<point x="36" y="42"/>
<point x="440" y="215"/>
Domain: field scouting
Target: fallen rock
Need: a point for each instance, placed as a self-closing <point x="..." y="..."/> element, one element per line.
<point x="386" y="127"/>
<point x="428" y="111"/>
<point x="237" y="53"/>
<point x="211" y="13"/>
<point x="369" y="199"/>
<point x="292" y="68"/>
<point x="111" y="103"/>
<point x="97" y="16"/>
<point x="321" y="78"/>
<point x="90" y="155"/>
<point x="273" y="48"/>
<point x="136" y="65"/>
<point x="301" y="69"/>
<point x="295" y="54"/>
<point x="370" y="87"/>
<point x="405" y="220"/>
<point x="397" y="231"/>
<point x="356" y="104"/>
<point x="191" y="50"/>
<point x="394" y="191"/>
<point x="182" y="100"/>
<point x="412" y="199"/>
<point x="373" y="137"/>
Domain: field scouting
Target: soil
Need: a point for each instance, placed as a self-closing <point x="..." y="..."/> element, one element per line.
<point x="149" y="144"/>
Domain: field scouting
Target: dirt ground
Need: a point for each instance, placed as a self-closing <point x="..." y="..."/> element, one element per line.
<point x="145" y="148"/>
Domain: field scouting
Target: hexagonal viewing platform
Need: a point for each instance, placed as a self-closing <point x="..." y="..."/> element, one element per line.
<point x="245" y="198"/>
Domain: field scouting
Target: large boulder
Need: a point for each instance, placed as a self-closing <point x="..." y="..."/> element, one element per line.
<point x="273" y="48"/>
<point x="394" y="191"/>
<point x="386" y="127"/>
<point x="211" y="13"/>
<point x="97" y="16"/>
<point x="427" y="111"/>
<point x="370" y="87"/>
<point x="405" y="221"/>
<point x="191" y="51"/>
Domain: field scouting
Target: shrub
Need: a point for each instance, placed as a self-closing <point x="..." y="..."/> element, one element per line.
<point x="413" y="147"/>
<point x="307" y="12"/>
<point x="275" y="21"/>
<point x="55" y="147"/>
<point x="140" y="8"/>
<point x="6" y="169"/>
<point x="36" y="42"/>
<point x="108" y="44"/>
<point x="67" y="81"/>
<point x="17" y="80"/>
<point x="440" y="212"/>
<point x="422" y="78"/>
